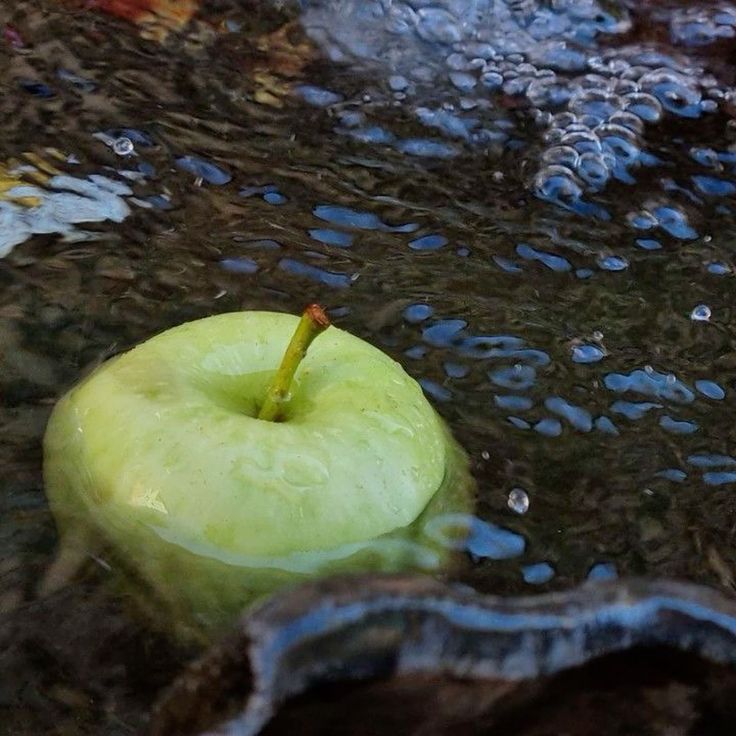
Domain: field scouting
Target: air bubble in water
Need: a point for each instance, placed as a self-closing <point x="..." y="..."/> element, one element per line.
<point x="123" y="146"/>
<point x="701" y="313"/>
<point x="518" y="500"/>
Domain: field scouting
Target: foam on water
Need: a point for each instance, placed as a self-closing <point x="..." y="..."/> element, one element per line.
<point x="592" y="100"/>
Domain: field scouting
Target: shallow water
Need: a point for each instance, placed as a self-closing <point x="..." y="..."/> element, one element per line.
<point x="561" y="286"/>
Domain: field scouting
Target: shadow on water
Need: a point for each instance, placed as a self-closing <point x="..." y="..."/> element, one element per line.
<point x="529" y="206"/>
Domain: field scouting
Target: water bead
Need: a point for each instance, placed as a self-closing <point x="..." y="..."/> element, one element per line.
<point x="123" y="146"/>
<point x="592" y="169"/>
<point x="492" y="80"/>
<point x="644" y="106"/>
<point x="642" y="220"/>
<point x="457" y="62"/>
<point x="548" y="92"/>
<point x="561" y="155"/>
<point x="518" y="501"/>
<point x="701" y="313"/>
<point x="463" y="81"/>
<point x="557" y="184"/>
<point x="582" y="139"/>
<point x="437" y="24"/>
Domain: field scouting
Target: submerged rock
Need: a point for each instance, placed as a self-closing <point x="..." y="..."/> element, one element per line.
<point x="420" y="637"/>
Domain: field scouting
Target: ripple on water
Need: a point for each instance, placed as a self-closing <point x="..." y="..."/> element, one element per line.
<point x="517" y="377"/>
<point x="416" y="313"/>
<point x="333" y="279"/>
<point x="335" y="238"/>
<point x="552" y="261"/>
<point x="603" y="571"/>
<point x="710" y="389"/>
<point x="203" y="169"/>
<point x="538" y="573"/>
<point x="650" y="383"/>
<point x="576" y="416"/>
<point x="428" y="242"/>
<point x="549" y="427"/>
<point x="586" y="353"/>
<point x="347" y="217"/>
<point x="677" y="426"/>
<point x="481" y="539"/>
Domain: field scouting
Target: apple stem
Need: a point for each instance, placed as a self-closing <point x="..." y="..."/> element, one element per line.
<point x="314" y="321"/>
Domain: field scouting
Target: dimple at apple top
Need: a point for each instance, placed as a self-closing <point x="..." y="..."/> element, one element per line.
<point x="528" y="206"/>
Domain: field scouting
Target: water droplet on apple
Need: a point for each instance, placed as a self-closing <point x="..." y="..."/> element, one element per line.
<point x="305" y="472"/>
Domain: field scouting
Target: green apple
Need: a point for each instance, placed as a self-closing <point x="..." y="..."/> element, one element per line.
<point x="164" y="453"/>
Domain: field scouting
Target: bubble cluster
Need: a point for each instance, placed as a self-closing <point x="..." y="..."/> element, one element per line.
<point x="701" y="26"/>
<point x="591" y="99"/>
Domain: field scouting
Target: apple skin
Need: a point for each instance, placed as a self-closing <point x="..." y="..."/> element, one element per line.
<point x="159" y="454"/>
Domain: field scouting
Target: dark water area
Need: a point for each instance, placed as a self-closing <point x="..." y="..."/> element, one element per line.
<point x="529" y="205"/>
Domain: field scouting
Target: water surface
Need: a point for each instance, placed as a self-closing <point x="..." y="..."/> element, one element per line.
<point x="531" y="208"/>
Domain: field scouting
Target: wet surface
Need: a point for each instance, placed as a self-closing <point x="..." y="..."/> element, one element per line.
<point x="550" y="254"/>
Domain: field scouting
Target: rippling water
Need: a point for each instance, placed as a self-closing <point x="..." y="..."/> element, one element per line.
<point x="530" y="206"/>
